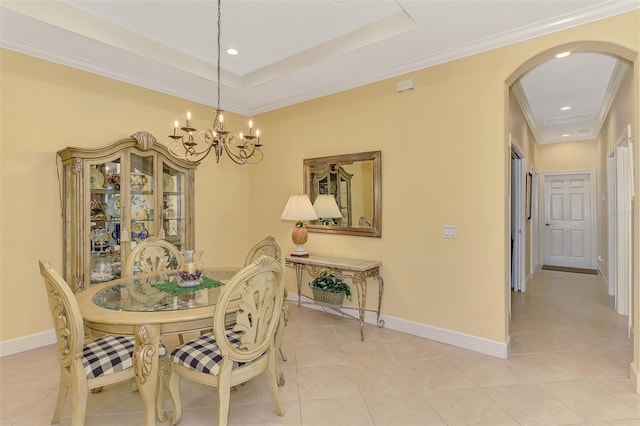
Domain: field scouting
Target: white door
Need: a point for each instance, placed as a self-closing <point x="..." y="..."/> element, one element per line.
<point x="568" y="234"/>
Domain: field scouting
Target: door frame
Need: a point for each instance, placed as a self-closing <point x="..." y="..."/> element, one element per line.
<point x="620" y="249"/>
<point x="534" y="225"/>
<point x="517" y="217"/>
<point x="611" y="223"/>
<point x="592" y="208"/>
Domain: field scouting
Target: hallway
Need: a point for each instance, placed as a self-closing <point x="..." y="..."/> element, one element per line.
<point x="569" y="365"/>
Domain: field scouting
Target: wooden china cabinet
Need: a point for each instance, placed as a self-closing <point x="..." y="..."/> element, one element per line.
<point x="116" y="196"/>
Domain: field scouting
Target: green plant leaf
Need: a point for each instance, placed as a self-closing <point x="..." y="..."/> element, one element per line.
<point x="326" y="281"/>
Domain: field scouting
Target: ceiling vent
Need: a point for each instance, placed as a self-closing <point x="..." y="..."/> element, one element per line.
<point x="568" y="119"/>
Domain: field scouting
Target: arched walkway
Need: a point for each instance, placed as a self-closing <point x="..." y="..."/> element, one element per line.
<point x="632" y="57"/>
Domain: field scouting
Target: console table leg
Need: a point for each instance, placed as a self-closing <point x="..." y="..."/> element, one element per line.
<point x="299" y="270"/>
<point x="361" y="287"/>
<point x="380" y="291"/>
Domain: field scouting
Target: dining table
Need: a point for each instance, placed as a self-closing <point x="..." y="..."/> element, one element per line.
<point x="148" y="306"/>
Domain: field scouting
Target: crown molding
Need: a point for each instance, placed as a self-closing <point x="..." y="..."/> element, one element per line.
<point x="250" y="105"/>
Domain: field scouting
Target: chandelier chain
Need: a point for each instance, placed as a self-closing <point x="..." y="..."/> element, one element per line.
<point x="241" y="148"/>
<point x="218" y="65"/>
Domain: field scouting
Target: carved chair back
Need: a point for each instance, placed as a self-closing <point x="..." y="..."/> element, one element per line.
<point x="267" y="247"/>
<point x="65" y="313"/>
<point x="152" y="255"/>
<point x="261" y="289"/>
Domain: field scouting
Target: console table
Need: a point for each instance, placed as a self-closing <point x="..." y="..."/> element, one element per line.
<point x="358" y="271"/>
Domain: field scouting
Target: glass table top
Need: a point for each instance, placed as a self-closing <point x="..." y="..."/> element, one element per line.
<point x="138" y="294"/>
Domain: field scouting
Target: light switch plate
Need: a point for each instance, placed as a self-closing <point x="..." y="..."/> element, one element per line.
<point x="449" y="231"/>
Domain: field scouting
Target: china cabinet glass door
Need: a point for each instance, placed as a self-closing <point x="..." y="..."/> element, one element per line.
<point x="142" y="197"/>
<point x="105" y="206"/>
<point x="174" y="205"/>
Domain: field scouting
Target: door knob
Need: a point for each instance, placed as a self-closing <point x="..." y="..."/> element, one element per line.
<point x="547" y="224"/>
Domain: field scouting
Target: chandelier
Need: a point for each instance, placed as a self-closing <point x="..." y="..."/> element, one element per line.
<point x="242" y="149"/>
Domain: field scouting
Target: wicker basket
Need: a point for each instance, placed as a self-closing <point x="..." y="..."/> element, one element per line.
<point x="327" y="298"/>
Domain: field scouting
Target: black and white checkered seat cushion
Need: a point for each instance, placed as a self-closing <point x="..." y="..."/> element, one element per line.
<point x="203" y="354"/>
<point x="110" y="354"/>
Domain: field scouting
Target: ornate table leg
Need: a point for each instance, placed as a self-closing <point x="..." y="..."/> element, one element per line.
<point x="361" y="286"/>
<point x="164" y="367"/>
<point x="299" y="270"/>
<point x="145" y="364"/>
<point x="380" y="291"/>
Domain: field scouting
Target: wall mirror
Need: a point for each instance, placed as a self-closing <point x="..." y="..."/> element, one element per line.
<point x="354" y="182"/>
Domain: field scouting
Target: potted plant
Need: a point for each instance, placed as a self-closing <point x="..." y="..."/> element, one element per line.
<point x="329" y="289"/>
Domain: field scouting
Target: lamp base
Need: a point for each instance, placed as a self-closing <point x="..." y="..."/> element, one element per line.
<point x="299" y="236"/>
<point x="300" y="251"/>
<point x="297" y="254"/>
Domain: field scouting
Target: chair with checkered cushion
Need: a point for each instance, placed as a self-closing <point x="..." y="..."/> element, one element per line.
<point x="228" y="357"/>
<point x="98" y="363"/>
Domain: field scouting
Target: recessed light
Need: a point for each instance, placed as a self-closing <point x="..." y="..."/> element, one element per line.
<point x="565" y="108"/>
<point x="563" y="55"/>
<point x="232" y="52"/>
<point x="566" y="135"/>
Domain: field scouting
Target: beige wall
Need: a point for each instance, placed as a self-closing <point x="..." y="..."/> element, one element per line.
<point x="46" y="107"/>
<point x="568" y="156"/>
<point x="444" y="149"/>
<point x="433" y="173"/>
<point x="620" y="115"/>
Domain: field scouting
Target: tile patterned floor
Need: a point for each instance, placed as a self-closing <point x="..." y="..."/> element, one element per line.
<point x="569" y="365"/>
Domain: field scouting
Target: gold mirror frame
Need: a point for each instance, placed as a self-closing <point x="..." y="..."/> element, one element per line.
<point x="375" y="230"/>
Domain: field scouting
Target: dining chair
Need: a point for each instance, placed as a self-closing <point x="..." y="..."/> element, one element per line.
<point x="152" y="255"/>
<point x="231" y="356"/>
<point x="83" y="365"/>
<point x="268" y="246"/>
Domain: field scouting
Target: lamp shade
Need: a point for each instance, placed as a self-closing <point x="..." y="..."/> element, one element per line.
<point x="326" y="207"/>
<point x="299" y="208"/>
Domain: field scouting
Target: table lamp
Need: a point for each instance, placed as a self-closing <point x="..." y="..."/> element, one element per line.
<point x="326" y="208"/>
<point x="298" y="209"/>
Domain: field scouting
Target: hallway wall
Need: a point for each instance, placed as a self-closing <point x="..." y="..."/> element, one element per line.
<point x="620" y="115"/>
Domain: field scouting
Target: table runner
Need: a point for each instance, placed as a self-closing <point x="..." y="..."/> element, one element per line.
<point x="174" y="289"/>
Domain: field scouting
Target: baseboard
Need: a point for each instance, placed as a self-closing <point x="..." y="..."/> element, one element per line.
<point x="634" y="375"/>
<point x="461" y="340"/>
<point x="455" y="338"/>
<point x="21" y="344"/>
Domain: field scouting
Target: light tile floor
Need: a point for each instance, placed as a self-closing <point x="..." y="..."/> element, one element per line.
<point x="569" y="365"/>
